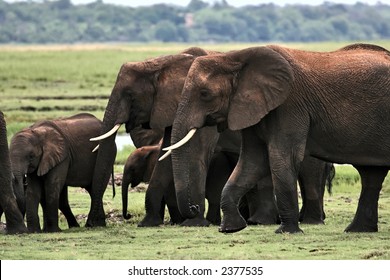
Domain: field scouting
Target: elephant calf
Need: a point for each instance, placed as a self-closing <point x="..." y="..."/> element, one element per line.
<point x="49" y="156"/>
<point x="138" y="168"/>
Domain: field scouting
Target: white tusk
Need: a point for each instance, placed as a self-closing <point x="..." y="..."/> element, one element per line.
<point x="182" y="141"/>
<point x="164" y="156"/>
<point x="95" y="149"/>
<point x="107" y="134"/>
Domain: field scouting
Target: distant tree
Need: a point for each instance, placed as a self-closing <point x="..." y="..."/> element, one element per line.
<point x="61" y="4"/>
<point x="59" y="21"/>
<point x="166" y="31"/>
<point x="196" y="5"/>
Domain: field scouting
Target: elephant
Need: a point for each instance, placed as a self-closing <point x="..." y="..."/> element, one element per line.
<point x="8" y="202"/>
<point x="54" y="154"/>
<point x="147" y="94"/>
<point x="290" y="104"/>
<point x="138" y="168"/>
<point x="140" y="165"/>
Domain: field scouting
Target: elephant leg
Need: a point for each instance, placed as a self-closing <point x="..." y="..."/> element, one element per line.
<point x="101" y="175"/>
<point x="160" y="181"/>
<point x="284" y="164"/>
<point x="243" y="208"/>
<point x="65" y="208"/>
<point x="34" y="196"/>
<point x="171" y="202"/>
<point x="262" y="204"/>
<point x="366" y="217"/>
<point x="53" y="185"/>
<point x="217" y="175"/>
<point x="312" y="180"/>
<point x="251" y="167"/>
<point x="199" y="220"/>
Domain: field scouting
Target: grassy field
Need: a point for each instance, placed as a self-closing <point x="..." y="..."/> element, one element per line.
<point x="40" y="82"/>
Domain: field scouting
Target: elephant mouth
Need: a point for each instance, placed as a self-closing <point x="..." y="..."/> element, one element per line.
<point x="129" y="126"/>
<point x="215" y="119"/>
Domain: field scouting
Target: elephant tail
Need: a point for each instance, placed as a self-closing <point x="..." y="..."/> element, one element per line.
<point x="113" y="182"/>
<point x="331" y="171"/>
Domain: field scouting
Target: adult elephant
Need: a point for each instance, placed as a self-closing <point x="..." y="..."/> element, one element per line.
<point x="290" y="103"/>
<point x="8" y="204"/>
<point x="53" y="155"/>
<point x="147" y="93"/>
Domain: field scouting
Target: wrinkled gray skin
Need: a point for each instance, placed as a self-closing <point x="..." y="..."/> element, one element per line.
<point x="145" y="93"/>
<point x="54" y="154"/>
<point x="8" y="203"/>
<point x="288" y="104"/>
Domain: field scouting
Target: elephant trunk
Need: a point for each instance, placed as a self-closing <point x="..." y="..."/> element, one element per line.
<point x="19" y="170"/>
<point x="103" y="168"/>
<point x="190" y="163"/>
<point x="19" y="183"/>
<point x="125" y="195"/>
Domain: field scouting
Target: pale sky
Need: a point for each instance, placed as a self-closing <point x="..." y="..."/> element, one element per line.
<point x="237" y="3"/>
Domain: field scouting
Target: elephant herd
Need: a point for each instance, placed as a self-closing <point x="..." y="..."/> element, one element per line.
<point x="239" y="129"/>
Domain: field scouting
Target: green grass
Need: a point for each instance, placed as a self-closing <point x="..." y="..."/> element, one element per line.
<point x="40" y="82"/>
<point x="124" y="240"/>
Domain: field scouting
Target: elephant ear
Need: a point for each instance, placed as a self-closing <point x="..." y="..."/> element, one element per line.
<point x="54" y="148"/>
<point x="262" y="84"/>
<point x="169" y="82"/>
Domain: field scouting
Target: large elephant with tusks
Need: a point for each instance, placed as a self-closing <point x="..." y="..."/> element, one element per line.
<point x="289" y="104"/>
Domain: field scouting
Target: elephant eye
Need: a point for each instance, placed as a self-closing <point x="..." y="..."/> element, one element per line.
<point x="205" y="94"/>
<point x="31" y="156"/>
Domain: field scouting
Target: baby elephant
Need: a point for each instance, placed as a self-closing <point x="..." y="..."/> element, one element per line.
<point x="138" y="168"/>
<point x="49" y="156"/>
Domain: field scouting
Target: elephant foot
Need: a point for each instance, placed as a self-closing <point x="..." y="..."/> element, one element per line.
<point x="16" y="229"/>
<point x="214" y="221"/>
<point x="264" y="220"/>
<point x="357" y="227"/>
<point x="195" y="222"/>
<point x="312" y="221"/>
<point x="289" y="229"/>
<point x="230" y="225"/>
<point x="312" y="213"/>
<point x="34" y="230"/>
<point x="73" y="225"/>
<point x="96" y="222"/>
<point x="150" y="221"/>
<point x="52" y="229"/>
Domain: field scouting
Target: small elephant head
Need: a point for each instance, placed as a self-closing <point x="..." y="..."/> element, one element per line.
<point x="138" y="168"/>
<point x="36" y="149"/>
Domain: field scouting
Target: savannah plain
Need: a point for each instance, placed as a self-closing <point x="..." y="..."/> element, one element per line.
<point x="50" y="81"/>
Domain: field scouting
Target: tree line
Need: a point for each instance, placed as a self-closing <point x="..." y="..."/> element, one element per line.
<point x="62" y="22"/>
